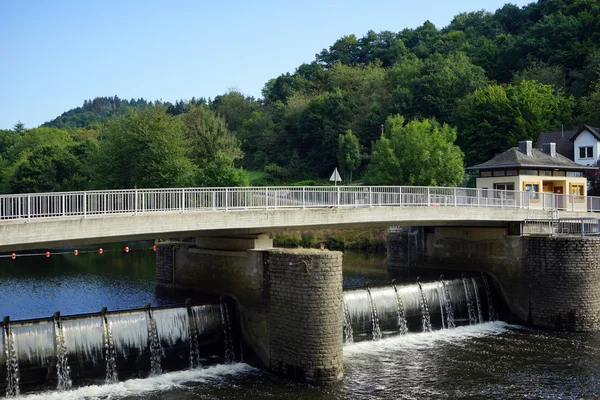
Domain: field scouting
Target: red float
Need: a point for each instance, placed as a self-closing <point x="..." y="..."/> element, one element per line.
<point x="126" y="249"/>
<point x="75" y="252"/>
<point x="47" y="254"/>
<point x="100" y="250"/>
<point x="13" y="256"/>
<point x="154" y="247"/>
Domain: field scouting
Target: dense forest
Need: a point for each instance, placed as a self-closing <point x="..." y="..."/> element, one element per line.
<point x="410" y="107"/>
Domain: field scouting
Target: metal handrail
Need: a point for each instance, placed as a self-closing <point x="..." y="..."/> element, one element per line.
<point x="138" y="201"/>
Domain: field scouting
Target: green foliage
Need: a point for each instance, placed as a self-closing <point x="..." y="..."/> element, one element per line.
<point x="349" y="155"/>
<point x="145" y="149"/>
<point x="497" y="117"/>
<point x="420" y="153"/>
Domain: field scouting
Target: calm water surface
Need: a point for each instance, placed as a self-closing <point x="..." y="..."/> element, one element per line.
<point x="487" y="361"/>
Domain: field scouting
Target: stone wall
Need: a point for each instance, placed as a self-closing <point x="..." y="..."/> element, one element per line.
<point x="305" y="314"/>
<point x="405" y="246"/>
<point x="164" y="264"/>
<point x="548" y="282"/>
<point x="565" y="282"/>
<point x="289" y="300"/>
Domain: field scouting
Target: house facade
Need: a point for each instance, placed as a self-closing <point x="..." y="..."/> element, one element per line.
<point x="547" y="175"/>
<point x="586" y="145"/>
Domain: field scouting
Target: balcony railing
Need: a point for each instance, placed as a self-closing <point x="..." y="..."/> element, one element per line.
<point x="561" y="227"/>
<point x="139" y="201"/>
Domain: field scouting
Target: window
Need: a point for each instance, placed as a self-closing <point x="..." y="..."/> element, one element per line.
<point x="534" y="189"/>
<point x="576" y="192"/>
<point x="511" y="172"/>
<point x="558" y="173"/>
<point x="529" y="172"/>
<point x="499" y="173"/>
<point x="574" y="173"/>
<point x="545" y="173"/>
<point x="485" y="174"/>
<point x="504" y="186"/>
<point x="501" y="190"/>
<point x="586" y="152"/>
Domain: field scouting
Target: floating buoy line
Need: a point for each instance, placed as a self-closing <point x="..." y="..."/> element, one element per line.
<point x="75" y="252"/>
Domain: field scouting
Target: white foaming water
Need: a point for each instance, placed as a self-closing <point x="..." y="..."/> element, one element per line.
<point x="172" y="324"/>
<point x="130" y="331"/>
<point x="415" y="341"/>
<point x="84" y="336"/>
<point x="207" y="318"/>
<point x="139" y="387"/>
<point x="34" y="342"/>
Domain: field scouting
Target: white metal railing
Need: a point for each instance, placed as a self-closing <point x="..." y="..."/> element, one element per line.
<point x="561" y="226"/>
<point x="135" y="201"/>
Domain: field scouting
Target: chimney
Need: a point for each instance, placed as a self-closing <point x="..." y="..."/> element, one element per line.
<point x="549" y="148"/>
<point x="525" y="147"/>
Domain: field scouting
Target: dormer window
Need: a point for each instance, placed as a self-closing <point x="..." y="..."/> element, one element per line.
<point x="586" y="152"/>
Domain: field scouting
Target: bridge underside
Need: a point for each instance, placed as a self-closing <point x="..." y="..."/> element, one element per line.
<point x="67" y="231"/>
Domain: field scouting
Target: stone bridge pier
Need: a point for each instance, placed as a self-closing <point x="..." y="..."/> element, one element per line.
<point x="547" y="282"/>
<point x="289" y="300"/>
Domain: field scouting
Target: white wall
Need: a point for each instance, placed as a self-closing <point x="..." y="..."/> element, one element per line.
<point x="585" y="139"/>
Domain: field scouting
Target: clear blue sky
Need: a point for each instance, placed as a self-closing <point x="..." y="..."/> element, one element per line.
<point x="55" y="54"/>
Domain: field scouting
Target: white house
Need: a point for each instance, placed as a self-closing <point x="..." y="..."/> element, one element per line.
<point x="586" y="145"/>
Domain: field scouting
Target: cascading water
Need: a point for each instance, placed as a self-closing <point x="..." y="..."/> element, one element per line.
<point x="193" y="335"/>
<point x="63" y="370"/>
<point x="109" y="352"/>
<point x="376" y="331"/>
<point x="424" y="310"/>
<point x="402" y="325"/>
<point x="228" y="339"/>
<point x="348" y="334"/>
<point x="441" y="301"/>
<point x="470" y="308"/>
<point x="490" y="300"/>
<point x="477" y="301"/>
<point x="12" y="362"/>
<point x="154" y="343"/>
<point x="448" y="305"/>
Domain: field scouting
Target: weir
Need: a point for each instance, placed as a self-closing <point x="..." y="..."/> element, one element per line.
<point x="64" y="351"/>
<point x="402" y="308"/>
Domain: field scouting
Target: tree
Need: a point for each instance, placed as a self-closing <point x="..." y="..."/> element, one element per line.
<point x="420" y="153"/>
<point x="19" y="127"/>
<point x="144" y="149"/>
<point x="234" y="108"/>
<point x="498" y="116"/>
<point x="349" y="155"/>
<point x="213" y="149"/>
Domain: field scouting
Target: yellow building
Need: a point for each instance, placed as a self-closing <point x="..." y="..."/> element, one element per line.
<point x="548" y="177"/>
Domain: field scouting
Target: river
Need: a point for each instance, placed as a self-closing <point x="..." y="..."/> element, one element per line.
<point x="493" y="360"/>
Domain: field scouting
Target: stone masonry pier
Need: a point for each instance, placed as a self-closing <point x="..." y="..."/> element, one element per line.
<point x="289" y="300"/>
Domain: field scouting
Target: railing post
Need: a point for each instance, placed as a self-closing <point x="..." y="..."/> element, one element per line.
<point x="226" y="200"/>
<point x="338" y="196"/>
<point x="135" y="197"/>
<point x="63" y="204"/>
<point x="84" y="205"/>
<point x="428" y="196"/>
<point x="266" y="198"/>
<point x="370" y="196"/>
<point x="28" y="207"/>
<point x="455" y="198"/>
<point x="303" y="197"/>
<point x="183" y="200"/>
<point x="214" y="199"/>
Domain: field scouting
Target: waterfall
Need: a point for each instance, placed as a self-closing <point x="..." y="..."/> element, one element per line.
<point x="348" y="334"/>
<point x="193" y="335"/>
<point x="402" y="325"/>
<point x="154" y="343"/>
<point x="470" y="308"/>
<point x="448" y="305"/>
<point x="227" y="336"/>
<point x="441" y="301"/>
<point x="424" y="310"/>
<point x="109" y="349"/>
<point x="12" y="362"/>
<point x="490" y="300"/>
<point x="477" y="301"/>
<point x="63" y="371"/>
<point x="376" y="331"/>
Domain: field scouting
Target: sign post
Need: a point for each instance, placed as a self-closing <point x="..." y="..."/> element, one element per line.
<point x="335" y="177"/>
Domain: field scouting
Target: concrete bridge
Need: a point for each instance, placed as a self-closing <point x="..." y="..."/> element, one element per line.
<point x="58" y="219"/>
